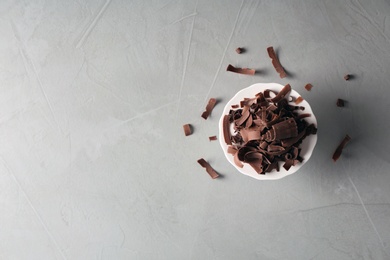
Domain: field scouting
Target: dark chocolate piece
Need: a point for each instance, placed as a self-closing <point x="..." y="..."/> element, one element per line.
<point x="347" y="76"/>
<point x="340" y="148"/>
<point x="240" y="50"/>
<point x="244" y="71"/>
<point x="340" y="102"/>
<point x="209" y="108"/>
<point x="213" y="174"/>
<point x="212" y="138"/>
<point x="308" y="87"/>
<point x="275" y="61"/>
<point x="187" y="129"/>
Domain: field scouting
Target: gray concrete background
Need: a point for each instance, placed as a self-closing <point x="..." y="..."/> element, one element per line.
<point x="93" y="160"/>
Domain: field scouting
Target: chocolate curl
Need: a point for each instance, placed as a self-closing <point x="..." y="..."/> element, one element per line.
<point x="283" y="130"/>
<point x="244" y="71"/>
<point x="226" y="129"/>
<point x="187" y="129"/>
<point x="340" y="148"/>
<point x="232" y="150"/>
<point x="209" y="108"/>
<point x="275" y="61"/>
<point x="242" y="119"/>
<point x="282" y="94"/>
<point x="213" y="174"/>
<point x="235" y="106"/>
<point x="253" y="134"/>
<point x="272" y="166"/>
<point x="308" y="87"/>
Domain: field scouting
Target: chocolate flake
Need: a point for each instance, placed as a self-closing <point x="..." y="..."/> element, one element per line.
<point x="347" y="76"/>
<point x="213" y="174"/>
<point x="212" y="138"/>
<point x="308" y="87"/>
<point x="275" y="61"/>
<point x="209" y="108"/>
<point x="244" y="71"/>
<point x="187" y="129"/>
<point x="298" y="100"/>
<point x="226" y="129"/>
<point x="340" y="102"/>
<point x="340" y="148"/>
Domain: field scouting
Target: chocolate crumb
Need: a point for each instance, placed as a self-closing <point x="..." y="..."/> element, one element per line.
<point x="347" y="76"/>
<point x="213" y="174"/>
<point x="240" y="50"/>
<point x="187" y="129"/>
<point x="212" y="138"/>
<point x="340" y="102"/>
<point x="308" y="87"/>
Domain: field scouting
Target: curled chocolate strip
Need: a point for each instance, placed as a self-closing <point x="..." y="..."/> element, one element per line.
<point x="226" y="129"/>
<point x="213" y="174"/>
<point x="209" y="108"/>
<point x="187" y="129"/>
<point x="340" y="148"/>
<point x="275" y="61"/>
<point x="244" y="71"/>
<point x="282" y="94"/>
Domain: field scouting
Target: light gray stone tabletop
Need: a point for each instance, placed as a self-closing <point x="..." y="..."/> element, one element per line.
<point x="94" y="163"/>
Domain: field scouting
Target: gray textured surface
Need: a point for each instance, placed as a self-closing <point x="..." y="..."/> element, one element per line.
<point x="93" y="160"/>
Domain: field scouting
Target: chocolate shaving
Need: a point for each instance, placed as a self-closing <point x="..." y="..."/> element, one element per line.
<point x="226" y="129"/>
<point x="244" y="71"/>
<point x="282" y="94"/>
<point x="235" y="106"/>
<point x="268" y="131"/>
<point x="308" y="87"/>
<point x="209" y="108"/>
<point x="187" y="129"/>
<point x="212" y="138"/>
<point x="340" y="102"/>
<point x="213" y="174"/>
<point x="340" y="148"/>
<point x="298" y="100"/>
<point x="275" y="61"/>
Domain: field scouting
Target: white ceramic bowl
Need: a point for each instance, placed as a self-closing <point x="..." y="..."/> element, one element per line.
<point x="307" y="145"/>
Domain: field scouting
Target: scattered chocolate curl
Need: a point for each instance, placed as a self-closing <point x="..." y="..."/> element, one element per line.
<point x="244" y="71"/>
<point x="209" y="108"/>
<point x="275" y="61"/>
<point x="213" y="174"/>
<point x="187" y="129"/>
<point x="340" y="148"/>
